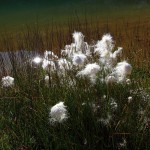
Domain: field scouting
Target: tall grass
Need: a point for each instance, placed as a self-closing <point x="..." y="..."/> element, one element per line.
<point x="94" y="122"/>
<point x="132" y="34"/>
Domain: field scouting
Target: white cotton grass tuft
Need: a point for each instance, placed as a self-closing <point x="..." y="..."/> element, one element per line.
<point x="104" y="48"/>
<point x="37" y="60"/>
<point x="7" y="81"/>
<point x="130" y="99"/>
<point x="49" y="55"/>
<point x="78" y="40"/>
<point x="48" y="65"/>
<point x="64" y="52"/>
<point x="110" y="80"/>
<point x="47" y="80"/>
<point x="128" y="81"/>
<point x="122" y="70"/>
<point x="105" y="45"/>
<point x="58" y="113"/>
<point x="64" y="64"/>
<point x="78" y="59"/>
<point x="79" y="45"/>
<point x="90" y="69"/>
<point x="117" y="53"/>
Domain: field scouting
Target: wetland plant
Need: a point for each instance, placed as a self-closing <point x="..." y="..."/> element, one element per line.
<point x="104" y="108"/>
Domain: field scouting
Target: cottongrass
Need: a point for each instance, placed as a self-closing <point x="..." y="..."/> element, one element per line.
<point x="79" y="59"/>
<point x="63" y="64"/>
<point x="48" y="65"/>
<point x="7" y="81"/>
<point x="95" y="86"/>
<point x="122" y="71"/>
<point x="110" y="80"/>
<point x="78" y="54"/>
<point x="89" y="70"/>
<point x="130" y="99"/>
<point x="37" y="60"/>
<point x="49" y="55"/>
<point x="58" y="113"/>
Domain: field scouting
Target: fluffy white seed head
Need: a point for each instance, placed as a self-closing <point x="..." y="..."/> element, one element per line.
<point x="48" y="65"/>
<point x="37" y="60"/>
<point x="128" y="81"/>
<point x="78" y="59"/>
<point x="130" y="99"/>
<point x="58" y="113"/>
<point x="107" y="38"/>
<point x="90" y="69"/>
<point x="49" y="55"/>
<point x="69" y="50"/>
<point x="7" y="81"/>
<point x="63" y="64"/>
<point x="104" y="46"/>
<point x="117" y="53"/>
<point x="110" y="80"/>
<point x="122" y="70"/>
<point x="64" y="53"/>
<point x="78" y="39"/>
<point x="46" y="80"/>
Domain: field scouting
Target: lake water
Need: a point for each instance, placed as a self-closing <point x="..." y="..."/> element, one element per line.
<point x="14" y="14"/>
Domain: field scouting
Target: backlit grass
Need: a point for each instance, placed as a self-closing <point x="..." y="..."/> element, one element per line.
<point x="100" y="116"/>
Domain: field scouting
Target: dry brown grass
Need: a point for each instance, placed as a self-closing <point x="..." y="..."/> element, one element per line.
<point x="133" y="34"/>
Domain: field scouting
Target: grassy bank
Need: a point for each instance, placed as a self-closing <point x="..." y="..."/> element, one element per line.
<point x="99" y="114"/>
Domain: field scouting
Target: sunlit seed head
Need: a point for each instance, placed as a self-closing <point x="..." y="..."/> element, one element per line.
<point x="124" y="68"/>
<point x="78" y="37"/>
<point x="48" y="65"/>
<point x="110" y="80"/>
<point x="58" y="113"/>
<point x="37" y="60"/>
<point x="130" y="99"/>
<point x="64" y="64"/>
<point x="78" y="59"/>
<point x="90" y="69"/>
<point x="78" y="40"/>
<point x="7" y="81"/>
<point x="49" y="55"/>
<point x="46" y="80"/>
<point x="105" y="45"/>
<point x="128" y="81"/>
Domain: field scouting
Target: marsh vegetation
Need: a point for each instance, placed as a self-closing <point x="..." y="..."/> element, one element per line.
<point x="80" y="92"/>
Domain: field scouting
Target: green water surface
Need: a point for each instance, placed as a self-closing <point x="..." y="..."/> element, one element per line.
<point x="15" y="14"/>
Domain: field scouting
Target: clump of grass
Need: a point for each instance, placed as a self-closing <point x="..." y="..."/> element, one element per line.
<point x="102" y="112"/>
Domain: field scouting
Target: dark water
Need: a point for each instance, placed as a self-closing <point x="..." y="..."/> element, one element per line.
<point x="14" y="14"/>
